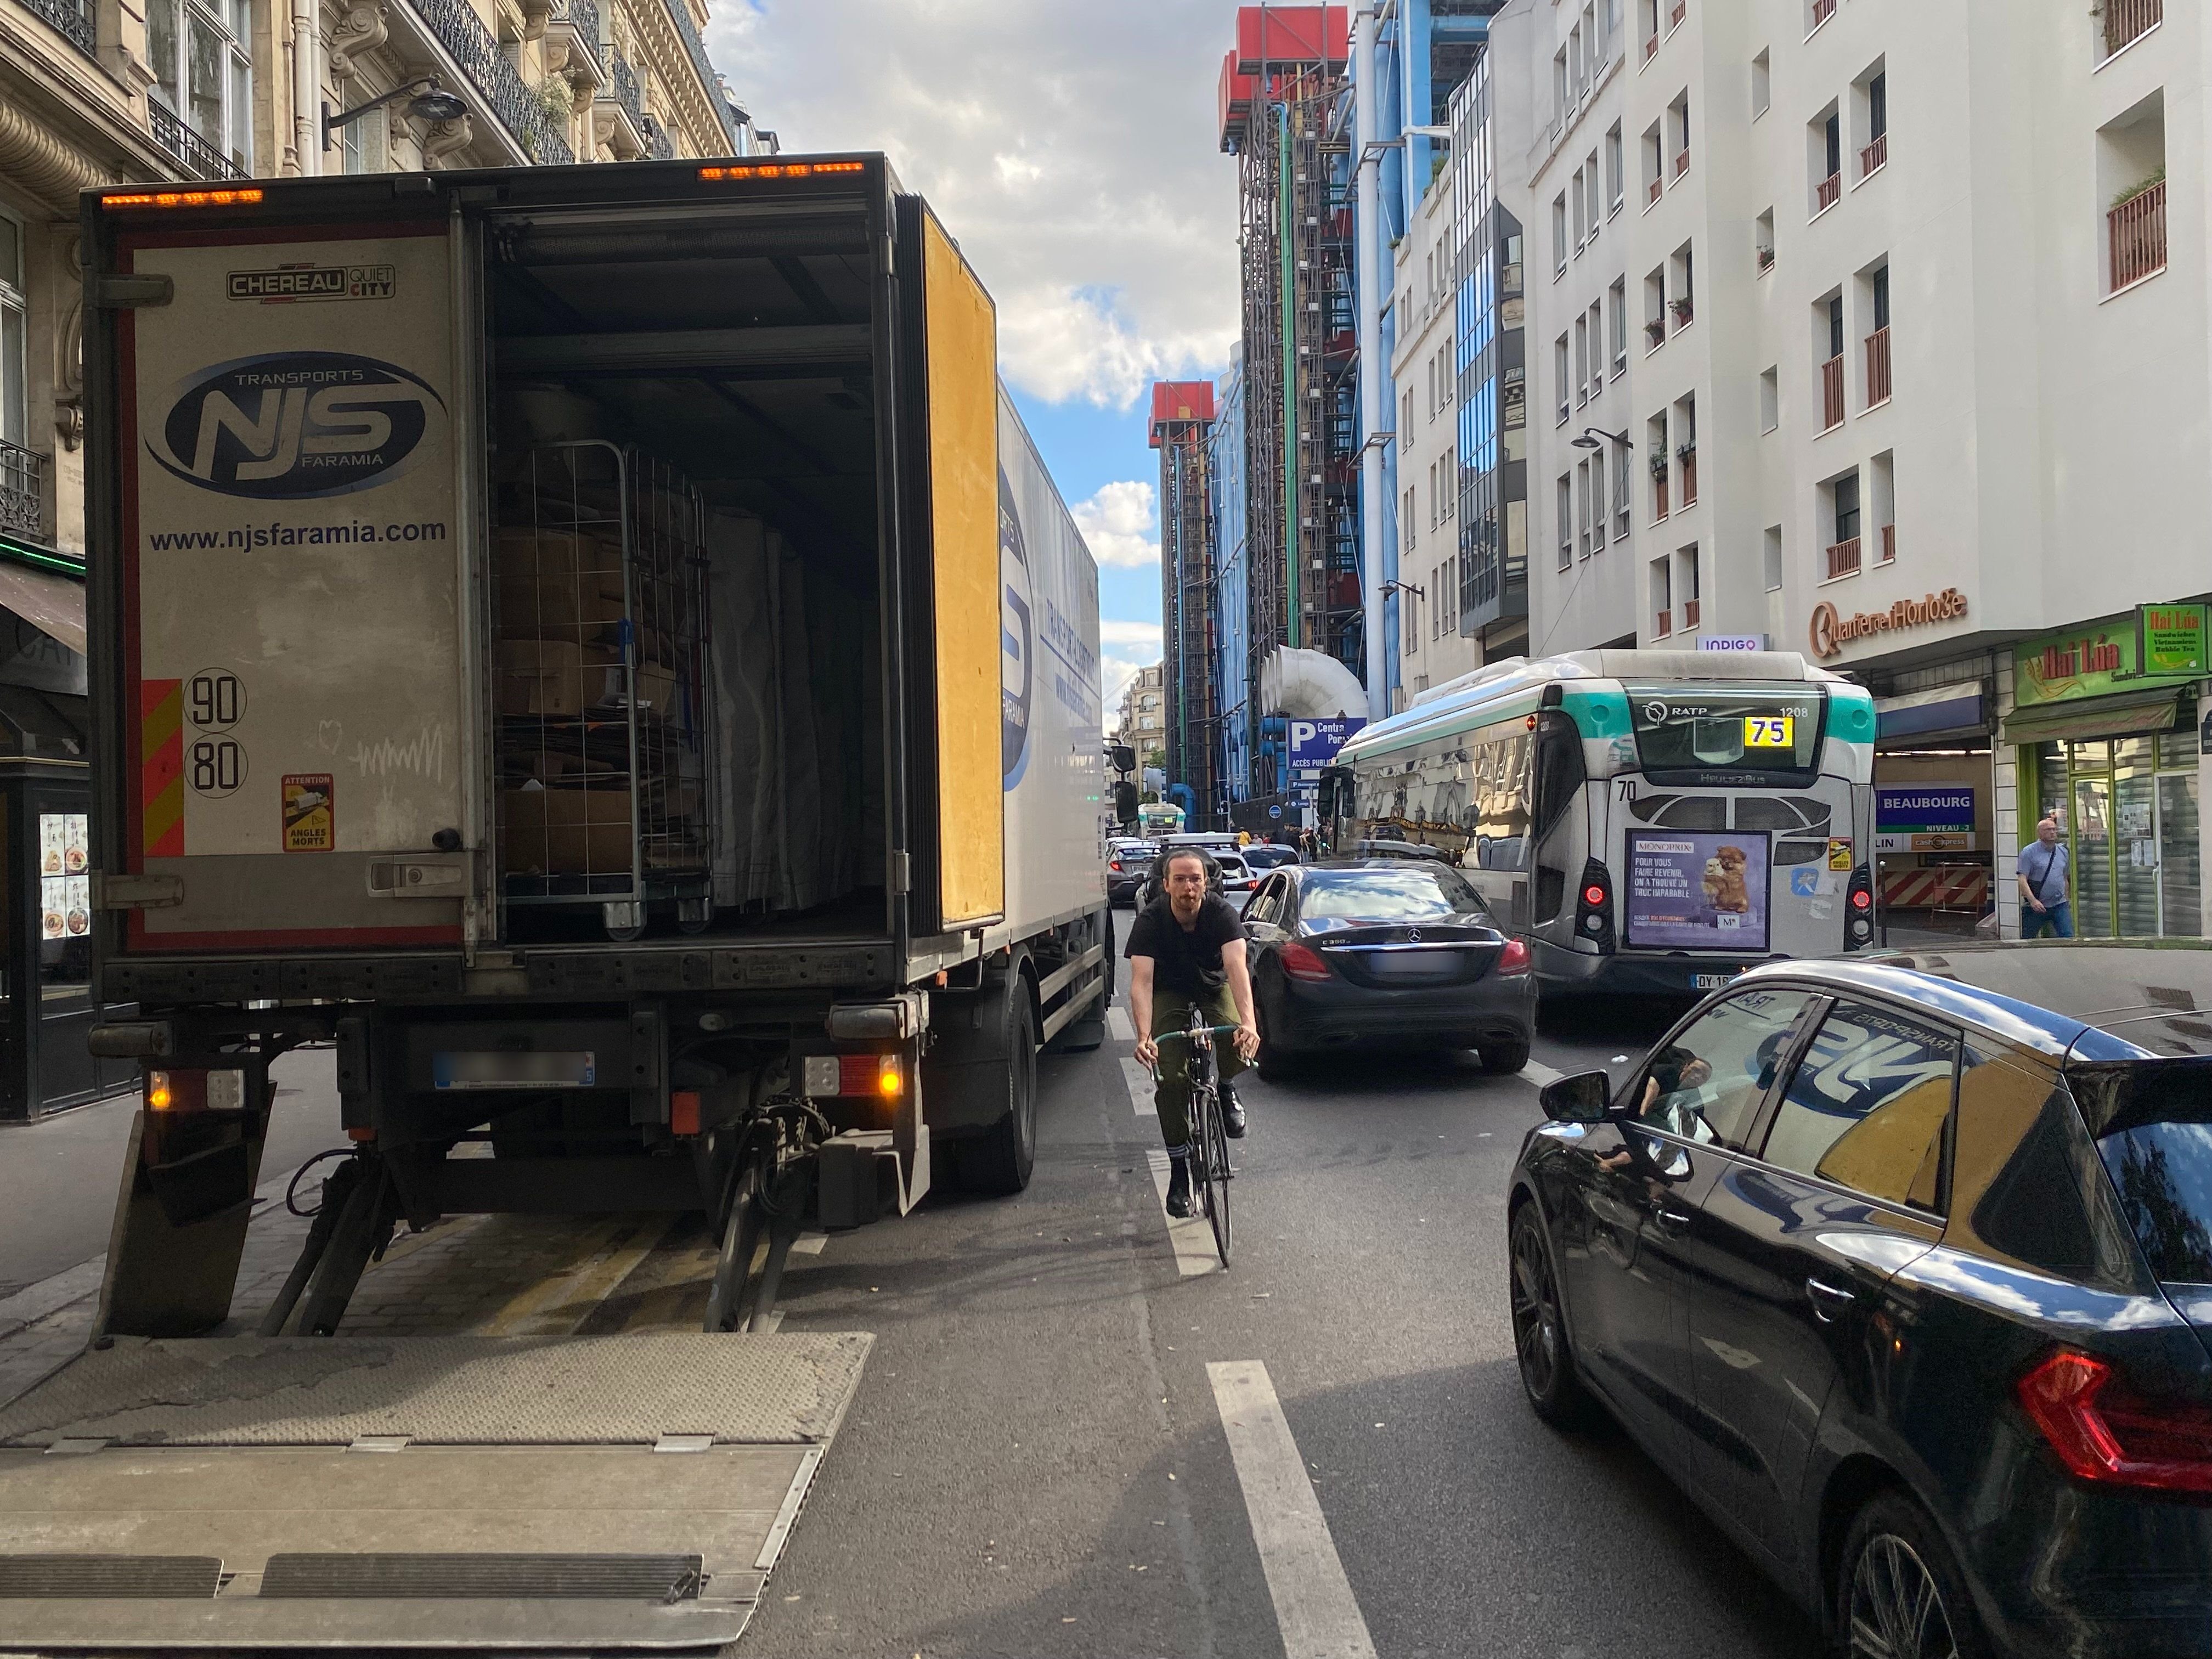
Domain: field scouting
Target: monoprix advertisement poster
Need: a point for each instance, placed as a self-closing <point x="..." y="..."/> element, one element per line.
<point x="1697" y="891"/>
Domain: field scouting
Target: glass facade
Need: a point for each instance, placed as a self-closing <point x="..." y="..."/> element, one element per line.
<point x="1232" y="581"/>
<point x="2129" y="807"/>
<point x="1490" y="362"/>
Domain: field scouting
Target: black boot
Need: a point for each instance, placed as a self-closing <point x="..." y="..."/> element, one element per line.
<point x="1232" y="1112"/>
<point x="1179" y="1185"/>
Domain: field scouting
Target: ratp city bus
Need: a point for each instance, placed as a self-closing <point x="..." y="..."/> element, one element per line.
<point x="1650" y="822"/>
<point x="1156" y="818"/>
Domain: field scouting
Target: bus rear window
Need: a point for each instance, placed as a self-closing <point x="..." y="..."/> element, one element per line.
<point x="1720" y="735"/>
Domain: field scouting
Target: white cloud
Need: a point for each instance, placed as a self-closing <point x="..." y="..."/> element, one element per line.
<point x="1141" y="636"/>
<point x="1120" y="525"/>
<point x="1070" y="148"/>
<point x="1114" y="674"/>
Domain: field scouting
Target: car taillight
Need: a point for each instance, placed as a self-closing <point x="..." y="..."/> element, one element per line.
<point x="2103" y="1431"/>
<point x="1593" y="895"/>
<point x="1303" y="961"/>
<point x="1114" y="864"/>
<point x="1513" y="958"/>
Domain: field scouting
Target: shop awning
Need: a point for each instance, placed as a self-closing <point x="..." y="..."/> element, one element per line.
<point x="1947" y="712"/>
<point x="2122" y="716"/>
<point x="51" y="603"/>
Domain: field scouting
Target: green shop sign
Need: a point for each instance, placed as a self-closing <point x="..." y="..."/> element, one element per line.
<point x="2100" y="657"/>
<point x="2173" y="639"/>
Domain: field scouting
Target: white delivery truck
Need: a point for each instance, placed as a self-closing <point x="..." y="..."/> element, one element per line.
<point x="595" y="646"/>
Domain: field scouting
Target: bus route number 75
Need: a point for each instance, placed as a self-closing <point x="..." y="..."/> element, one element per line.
<point x="1769" y="731"/>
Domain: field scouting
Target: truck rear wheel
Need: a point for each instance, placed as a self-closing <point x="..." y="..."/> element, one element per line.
<point x="999" y="1161"/>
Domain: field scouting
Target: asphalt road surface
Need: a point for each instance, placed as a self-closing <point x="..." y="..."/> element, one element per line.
<point x="1064" y="1445"/>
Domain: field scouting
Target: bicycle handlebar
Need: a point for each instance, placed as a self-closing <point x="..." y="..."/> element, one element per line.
<point x="1204" y="1030"/>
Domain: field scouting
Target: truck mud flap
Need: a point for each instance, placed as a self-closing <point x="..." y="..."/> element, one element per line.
<point x="602" y="1493"/>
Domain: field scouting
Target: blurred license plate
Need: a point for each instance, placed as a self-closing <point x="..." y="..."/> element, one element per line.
<point x="500" y="1069"/>
<point x="1711" y="982"/>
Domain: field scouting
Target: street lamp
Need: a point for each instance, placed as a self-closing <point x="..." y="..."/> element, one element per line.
<point x="1396" y="586"/>
<point x="1595" y="437"/>
<point x="430" y="102"/>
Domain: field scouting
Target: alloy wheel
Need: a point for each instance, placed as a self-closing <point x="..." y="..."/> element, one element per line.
<point x="1896" y="1607"/>
<point x="1535" y="1309"/>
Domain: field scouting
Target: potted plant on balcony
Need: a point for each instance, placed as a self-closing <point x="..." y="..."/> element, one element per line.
<point x="1765" y="258"/>
<point x="1683" y="311"/>
<point x="1656" y="331"/>
<point x="1659" y="462"/>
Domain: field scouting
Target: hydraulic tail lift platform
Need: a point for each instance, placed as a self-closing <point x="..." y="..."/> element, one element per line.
<point x="339" y="1492"/>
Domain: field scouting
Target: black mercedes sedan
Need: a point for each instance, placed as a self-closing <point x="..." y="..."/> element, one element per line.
<point x="1902" y="1268"/>
<point x="1385" y="953"/>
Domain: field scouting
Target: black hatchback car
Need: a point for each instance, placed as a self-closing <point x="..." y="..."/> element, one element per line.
<point x="1902" y="1267"/>
<point x="1388" y="953"/>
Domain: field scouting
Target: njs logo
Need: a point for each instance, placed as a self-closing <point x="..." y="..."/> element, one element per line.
<point x="290" y="425"/>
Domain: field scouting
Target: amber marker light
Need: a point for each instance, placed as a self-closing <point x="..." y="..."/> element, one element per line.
<point x="159" y="1094"/>
<point x="888" y="1082"/>
<point x="775" y="170"/>
<point x="183" y="198"/>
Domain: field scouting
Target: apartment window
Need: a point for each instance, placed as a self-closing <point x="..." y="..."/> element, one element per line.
<point x="1562" y="87"/>
<point x="1616" y="165"/>
<point x="1449" y="469"/>
<point x="1406" y="517"/>
<point x="1619" y="299"/>
<point x="1650" y="21"/>
<point x="1624" y="490"/>
<point x="204" y="70"/>
<point x="1655" y="310"/>
<point x="1405" y="421"/>
<point x="1684" y="287"/>
<point x="2125" y="21"/>
<point x="1596" y="465"/>
<point x="1762" y="86"/>
<point x="1559" y="235"/>
<point x="1409" y="617"/>
<point x="1844" y="547"/>
<point x="14" y="356"/>
<point x="1660" y="466"/>
<point x="1686" y="588"/>
<point x="1874" y="154"/>
<point x="1881" y="480"/>
<point x="1818" y="12"/>
<point x="1831" y="337"/>
<point x="1679" y="115"/>
<point x="1582" y="360"/>
<point x="1686" y="448"/>
<point x="1877" y="341"/>
<point x="1560" y="376"/>
<point x="2131" y="178"/>
<point x="1769" y="399"/>
<point x="1772" y="558"/>
<point x="1583" y="508"/>
<point x="1564" y="512"/>
<point x="1655" y="165"/>
<point x="1663" y="604"/>
<point x="1762" y="242"/>
<point x="1448" y="594"/>
<point x="1827" y="160"/>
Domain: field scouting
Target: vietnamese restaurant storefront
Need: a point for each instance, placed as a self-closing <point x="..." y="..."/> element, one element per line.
<point x="2112" y="729"/>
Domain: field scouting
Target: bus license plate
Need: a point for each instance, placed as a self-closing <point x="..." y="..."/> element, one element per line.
<point x="1711" y="982"/>
<point x="1770" y="731"/>
<point x="512" y="1069"/>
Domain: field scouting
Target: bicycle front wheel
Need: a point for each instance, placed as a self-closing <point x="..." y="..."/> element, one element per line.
<point x="1217" y="1175"/>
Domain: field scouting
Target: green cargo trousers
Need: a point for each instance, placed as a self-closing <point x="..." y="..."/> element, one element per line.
<point x="1171" y="1085"/>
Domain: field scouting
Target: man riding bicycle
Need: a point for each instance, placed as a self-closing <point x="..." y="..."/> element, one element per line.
<point x="1186" y="952"/>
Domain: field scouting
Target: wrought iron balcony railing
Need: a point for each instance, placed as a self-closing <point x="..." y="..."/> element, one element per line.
<point x="681" y="11"/>
<point x="22" y="493"/>
<point x="463" y="33"/>
<point x="199" y="157"/>
<point x="658" y="144"/>
<point x="73" y="19"/>
<point x="583" y="16"/>
<point x="626" y="91"/>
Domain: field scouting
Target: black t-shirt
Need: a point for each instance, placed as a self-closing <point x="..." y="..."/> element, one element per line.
<point x="1186" y="961"/>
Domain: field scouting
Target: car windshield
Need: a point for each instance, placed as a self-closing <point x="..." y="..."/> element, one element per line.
<point x="1416" y="892"/>
<point x="2157" y="1147"/>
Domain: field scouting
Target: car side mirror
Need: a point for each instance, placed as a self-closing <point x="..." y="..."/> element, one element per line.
<point x="1582" y="1098"/>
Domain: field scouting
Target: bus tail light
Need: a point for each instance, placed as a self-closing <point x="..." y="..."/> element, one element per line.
<point x="1858" y="910"/>
<point x="1593" y="907"/>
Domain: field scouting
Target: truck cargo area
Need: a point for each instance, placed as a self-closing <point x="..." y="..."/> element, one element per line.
<point x="684" y="488"/>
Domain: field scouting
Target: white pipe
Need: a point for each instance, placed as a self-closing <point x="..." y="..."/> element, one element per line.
<point x="1367" y="225"/>
<point x="307" y="88"/>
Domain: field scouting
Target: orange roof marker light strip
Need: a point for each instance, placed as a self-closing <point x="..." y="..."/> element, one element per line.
<point x="183" y="198"/>
<point x="776" y="170"/>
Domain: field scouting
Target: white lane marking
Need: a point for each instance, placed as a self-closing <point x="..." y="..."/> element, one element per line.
<point x="809" y="1243"/>
<point x="1540" y="1074"/>
<point x="1140" y="1087"/>
<point x="1315" y="1608"/>
<point x="1192" y="1238"/>
<point x="1117" y="1022"/>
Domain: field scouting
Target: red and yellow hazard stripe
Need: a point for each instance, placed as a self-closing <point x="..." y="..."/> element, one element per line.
<point x="161" y="767"/>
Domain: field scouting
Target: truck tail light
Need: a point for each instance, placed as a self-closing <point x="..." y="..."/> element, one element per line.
<point x="1513" y="958"/>
<point x="195" y="1090"/>
<point x="890" y="1079"/>
<point x="2103" y="1431"/>
<point x="880" y="1075"/>
<point x="1593" y="906"/>
<point x="1303" y="961"/>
